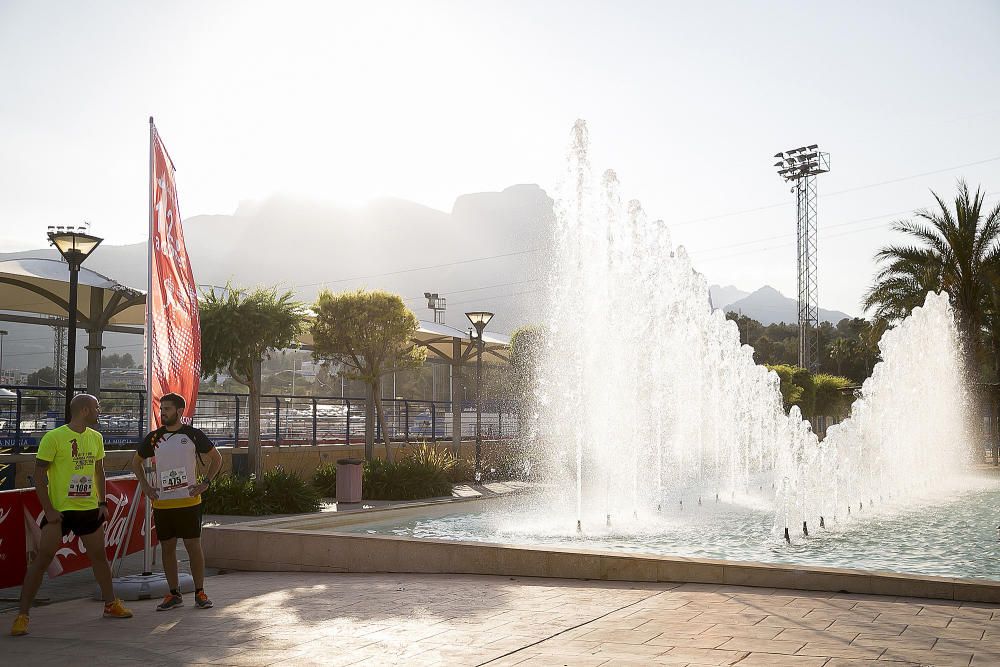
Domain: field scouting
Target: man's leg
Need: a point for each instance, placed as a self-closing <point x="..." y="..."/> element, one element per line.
<point x="168" y="549"/>
<point x="49" y="543"/>
<point x="197" y="556"/>
<point x="99" y="562"/>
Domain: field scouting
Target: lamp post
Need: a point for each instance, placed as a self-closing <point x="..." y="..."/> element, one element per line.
<point x="479" y="320"/>
<point x="3" y="333"/>
<point x="75" y="246"/>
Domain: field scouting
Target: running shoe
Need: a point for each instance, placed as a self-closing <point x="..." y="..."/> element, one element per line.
<point x="20" y="625"/>
<point x="202" y="600"/>
<point x="170" y="601"/>
<point x="116" y="609"/>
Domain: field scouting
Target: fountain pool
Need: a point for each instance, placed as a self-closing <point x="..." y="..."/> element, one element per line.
<point x="954" y="536"/>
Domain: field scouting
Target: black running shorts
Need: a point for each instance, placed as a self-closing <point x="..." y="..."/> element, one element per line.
<point x="182" y="522"/>
<point x="79" y="522"/>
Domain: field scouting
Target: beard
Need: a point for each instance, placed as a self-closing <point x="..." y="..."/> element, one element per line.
<point x="168" y="421"/>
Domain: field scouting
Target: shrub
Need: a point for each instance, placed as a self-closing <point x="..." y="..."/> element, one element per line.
<point x="288" y="493"/>
<point x="234" y="494"/>
<point x="406" y="479"/>
<point x="455" y="469"/>
<point x="325" y="480"/>
<point x="276" y="492"/>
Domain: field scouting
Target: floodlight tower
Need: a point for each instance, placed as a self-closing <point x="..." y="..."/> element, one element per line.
<point x="438" y="304"/>
<point x="801" y="166"/>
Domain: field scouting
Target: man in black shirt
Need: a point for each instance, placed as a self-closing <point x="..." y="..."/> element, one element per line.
<point x="176" y="493"/>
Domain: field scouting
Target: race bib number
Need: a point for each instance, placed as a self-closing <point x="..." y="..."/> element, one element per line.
<point x="174" y="479"/>
<point x="80" y="486"/>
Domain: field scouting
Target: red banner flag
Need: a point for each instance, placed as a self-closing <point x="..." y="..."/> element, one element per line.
<point x="173" y="334"/>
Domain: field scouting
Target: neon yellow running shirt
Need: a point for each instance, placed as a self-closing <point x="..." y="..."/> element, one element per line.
<point x="72" y="459"/>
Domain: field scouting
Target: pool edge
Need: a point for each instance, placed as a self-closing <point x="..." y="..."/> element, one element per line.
<point x="282" y="545"/>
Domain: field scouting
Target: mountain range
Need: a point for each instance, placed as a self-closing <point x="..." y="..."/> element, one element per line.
<point x="488" y="252"/>
<point x="766" y="305"/>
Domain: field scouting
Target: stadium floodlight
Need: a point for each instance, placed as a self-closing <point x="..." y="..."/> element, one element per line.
<point x="801" y="166"/>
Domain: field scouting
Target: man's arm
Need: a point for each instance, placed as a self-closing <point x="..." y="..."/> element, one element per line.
<point x="137" y="466"/>
<point x="214" y="466"/>
<point x="100" y="486"/>
<point x="42" y="490"/>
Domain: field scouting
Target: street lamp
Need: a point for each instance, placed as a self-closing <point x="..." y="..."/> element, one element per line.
<point x="2" y="334"/>
<point x="479" y="320"/>
<point x="75" y="245"/>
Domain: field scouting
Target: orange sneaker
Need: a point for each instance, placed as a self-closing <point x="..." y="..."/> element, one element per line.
<point x="20" y="625"/>
<point x="116" y="609"/>
<point x="202" y="600"/>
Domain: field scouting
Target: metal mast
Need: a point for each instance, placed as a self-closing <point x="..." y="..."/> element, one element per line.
<point x="801" y="166"/>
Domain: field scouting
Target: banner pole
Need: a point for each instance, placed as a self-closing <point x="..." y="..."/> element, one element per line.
<point x="147" y="567"/>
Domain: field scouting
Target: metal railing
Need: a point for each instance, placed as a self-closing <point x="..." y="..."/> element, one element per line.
<point x="224" y="417"/>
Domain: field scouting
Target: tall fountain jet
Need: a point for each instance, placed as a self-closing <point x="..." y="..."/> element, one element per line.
<point x="647" y="400"/>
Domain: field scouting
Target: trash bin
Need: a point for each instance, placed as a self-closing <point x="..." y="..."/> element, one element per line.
<point x="349" y="480"/>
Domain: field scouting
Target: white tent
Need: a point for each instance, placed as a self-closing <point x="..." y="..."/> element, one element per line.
<point x="40" y="289"/>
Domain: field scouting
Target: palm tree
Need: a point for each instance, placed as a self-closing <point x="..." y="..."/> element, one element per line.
<point x="956" y="250"/>
<point x="841" y="350"/>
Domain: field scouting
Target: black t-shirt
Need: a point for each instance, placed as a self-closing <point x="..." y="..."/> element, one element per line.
<point x="147" y="448"/>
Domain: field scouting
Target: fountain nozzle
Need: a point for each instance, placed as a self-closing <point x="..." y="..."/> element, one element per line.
<point x="608" y="521"/>
<point x="579" y="528"/>
<point x="822" y="522"/>
<point x="787" y="537"/>
<point x="659" y="507"/>
<point x="699" y="500"/>
<point x="805" y="529"/>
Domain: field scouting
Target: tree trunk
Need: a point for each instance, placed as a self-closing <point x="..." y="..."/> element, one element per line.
<point x="380" y="410"/>
<point x="254" y="453"/>
<point x="369" y="422"/>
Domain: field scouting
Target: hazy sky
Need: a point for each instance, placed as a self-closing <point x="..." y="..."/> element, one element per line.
<point x="344" y="101"/>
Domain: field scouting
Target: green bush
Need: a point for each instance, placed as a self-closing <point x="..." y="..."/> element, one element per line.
<point x="426" y="472"/>
<point x="276" y="492"/>
<point x="234" y="494"/>
<point x="820" y="394"/>
<point x="832" y="396"/>
<point x="457" y="470"/>
<point x="325" y="480"/>
<point x="288" y="493"/>
<point x="406" y="479"/>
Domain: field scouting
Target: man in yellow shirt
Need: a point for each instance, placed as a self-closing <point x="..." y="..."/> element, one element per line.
<point x="69" y="481"/>
<point x="176" y="494"/>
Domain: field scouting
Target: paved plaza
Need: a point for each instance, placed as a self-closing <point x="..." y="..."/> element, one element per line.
<point x="388" y="619"/>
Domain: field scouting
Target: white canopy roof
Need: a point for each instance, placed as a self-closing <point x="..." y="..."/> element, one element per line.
<point x="41" y="287"/>
<point x="441" y="341"/>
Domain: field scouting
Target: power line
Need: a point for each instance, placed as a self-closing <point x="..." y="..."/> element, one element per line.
<point x="837" y="192"/>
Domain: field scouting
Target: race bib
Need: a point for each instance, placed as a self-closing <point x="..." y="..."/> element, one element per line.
<point x="173" y="479"/>
<point x="80" y="486"/>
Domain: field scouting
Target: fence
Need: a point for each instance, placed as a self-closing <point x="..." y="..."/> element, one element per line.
<point x="284" y="420"/>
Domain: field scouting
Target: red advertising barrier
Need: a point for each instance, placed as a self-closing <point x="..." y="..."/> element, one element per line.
<point x="21" y="517"/>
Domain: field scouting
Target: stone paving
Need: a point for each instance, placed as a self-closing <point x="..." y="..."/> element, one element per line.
<point x="384" y="619"/>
